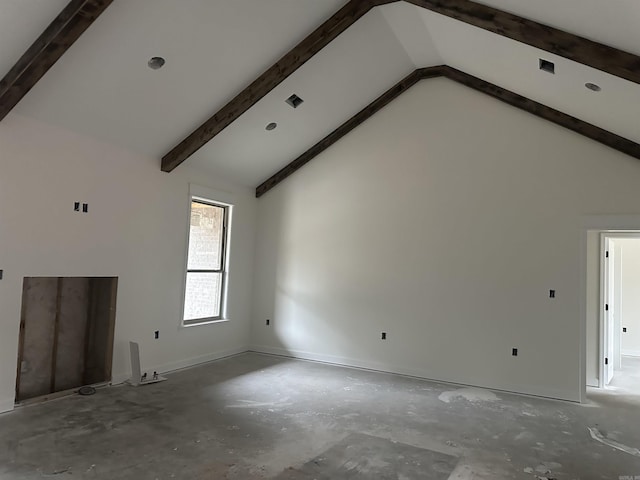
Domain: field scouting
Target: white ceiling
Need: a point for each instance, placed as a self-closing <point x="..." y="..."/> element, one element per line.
<point x="412" y="34"/>
<point x="613" y="22"/>
<point x="515" y="66"/>
<point x="214" y="48"/>
<point x="343" y="78"/>
<point x="21" y="22"/>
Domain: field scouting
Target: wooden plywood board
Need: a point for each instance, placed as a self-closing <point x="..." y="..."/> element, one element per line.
<point x="39" y="313"/>
<point x="72" y="325"/>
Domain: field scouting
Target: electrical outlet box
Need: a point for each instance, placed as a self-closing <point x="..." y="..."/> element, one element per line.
<point x="514" y="352"/>
<point x="85" y="207"/>
<point x="552" y="294"/>
<point x="76" y="206"/>
<point x="384" y="336"/>
<point x="156" y="334"/>
<point x="1" y="273"/>
<point x="268" y="322"/>
<point x="624" y="329"/>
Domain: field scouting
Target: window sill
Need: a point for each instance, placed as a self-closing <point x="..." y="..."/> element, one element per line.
<point x="204" y="322"/>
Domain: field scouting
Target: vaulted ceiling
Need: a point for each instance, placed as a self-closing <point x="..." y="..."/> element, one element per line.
<point x="103" y="88"/>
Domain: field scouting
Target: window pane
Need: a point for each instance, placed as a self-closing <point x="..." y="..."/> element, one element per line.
<point x="202" y="295"/>
<point x="205" y="237"/>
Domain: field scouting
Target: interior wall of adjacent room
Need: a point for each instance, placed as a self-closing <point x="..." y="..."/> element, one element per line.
<point x="444" y="220"/>
<point x="136" y="230"/>
<point x="630" y="256"/>
<point x="617" y="305"/>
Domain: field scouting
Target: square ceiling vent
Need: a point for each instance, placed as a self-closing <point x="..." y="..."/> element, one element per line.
<point x="547" y="66"/>
<point x="295" y="101"/>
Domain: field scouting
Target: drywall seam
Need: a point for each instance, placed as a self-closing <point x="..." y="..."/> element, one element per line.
<point x="553" y="394"/>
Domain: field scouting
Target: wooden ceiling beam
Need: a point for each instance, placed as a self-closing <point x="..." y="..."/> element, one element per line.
<point x="585" y="129"/>
<point x="65" y="29"/>
<point x="588" y="130"/>
<point x="270" y="79"/>
<point x="579" y="49"/>
<point x="384" y="99"/>
<point x="602" y="57"/>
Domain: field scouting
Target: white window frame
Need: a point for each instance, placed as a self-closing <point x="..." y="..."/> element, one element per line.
<point x="219" y="199"/>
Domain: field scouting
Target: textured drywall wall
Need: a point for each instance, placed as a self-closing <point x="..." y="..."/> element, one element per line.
<point x="593" y="308"/>
<point x="444" y="220"/>
<point x="136" y="230"/>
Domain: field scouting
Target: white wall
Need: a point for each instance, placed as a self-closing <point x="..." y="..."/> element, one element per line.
<point x="444" y="220"/>
<point x="630" y="292"/>
<point x="135" y="230"/>
<point x="593" y="308"/>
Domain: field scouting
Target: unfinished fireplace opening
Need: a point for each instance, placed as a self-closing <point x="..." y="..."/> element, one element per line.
<point x="66" y="334"/>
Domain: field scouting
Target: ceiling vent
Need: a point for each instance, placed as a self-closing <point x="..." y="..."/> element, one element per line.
<point x="295" y="101"/>
<point x="547" y="66"/>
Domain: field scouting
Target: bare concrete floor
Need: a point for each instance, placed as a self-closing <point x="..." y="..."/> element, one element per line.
<point x="627" y="379"/>
<point x="256" y="416"/>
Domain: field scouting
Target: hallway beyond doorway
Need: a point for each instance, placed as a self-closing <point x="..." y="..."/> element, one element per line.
<point x="627" y="379"/>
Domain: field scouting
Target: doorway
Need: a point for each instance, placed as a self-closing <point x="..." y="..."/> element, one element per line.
<point x="66" y="334"/>
<point x="620" y="312"/>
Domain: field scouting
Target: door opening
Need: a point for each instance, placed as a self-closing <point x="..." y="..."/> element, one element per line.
<point x="620" y="312"/>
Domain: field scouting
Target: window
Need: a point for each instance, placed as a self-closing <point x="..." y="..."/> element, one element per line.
<point x="204" y="293"/>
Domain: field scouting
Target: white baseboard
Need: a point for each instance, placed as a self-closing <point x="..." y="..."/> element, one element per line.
<point x="179" y="365"/>
<point x="6" y="405"/>
<point x="631" y="353"/>
<point x="423" y="374"/>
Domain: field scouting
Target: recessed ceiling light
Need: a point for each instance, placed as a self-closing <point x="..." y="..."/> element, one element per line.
<point x="271" y="126"/>
<point x="155" y="63"/>
<point x="593" y="87"/>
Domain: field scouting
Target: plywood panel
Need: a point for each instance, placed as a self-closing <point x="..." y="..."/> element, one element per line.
<point x="101" y="328"/>
<point x="66" y="334"/>
<point x="39" y="320"/>
<point x="70" y="354"/>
